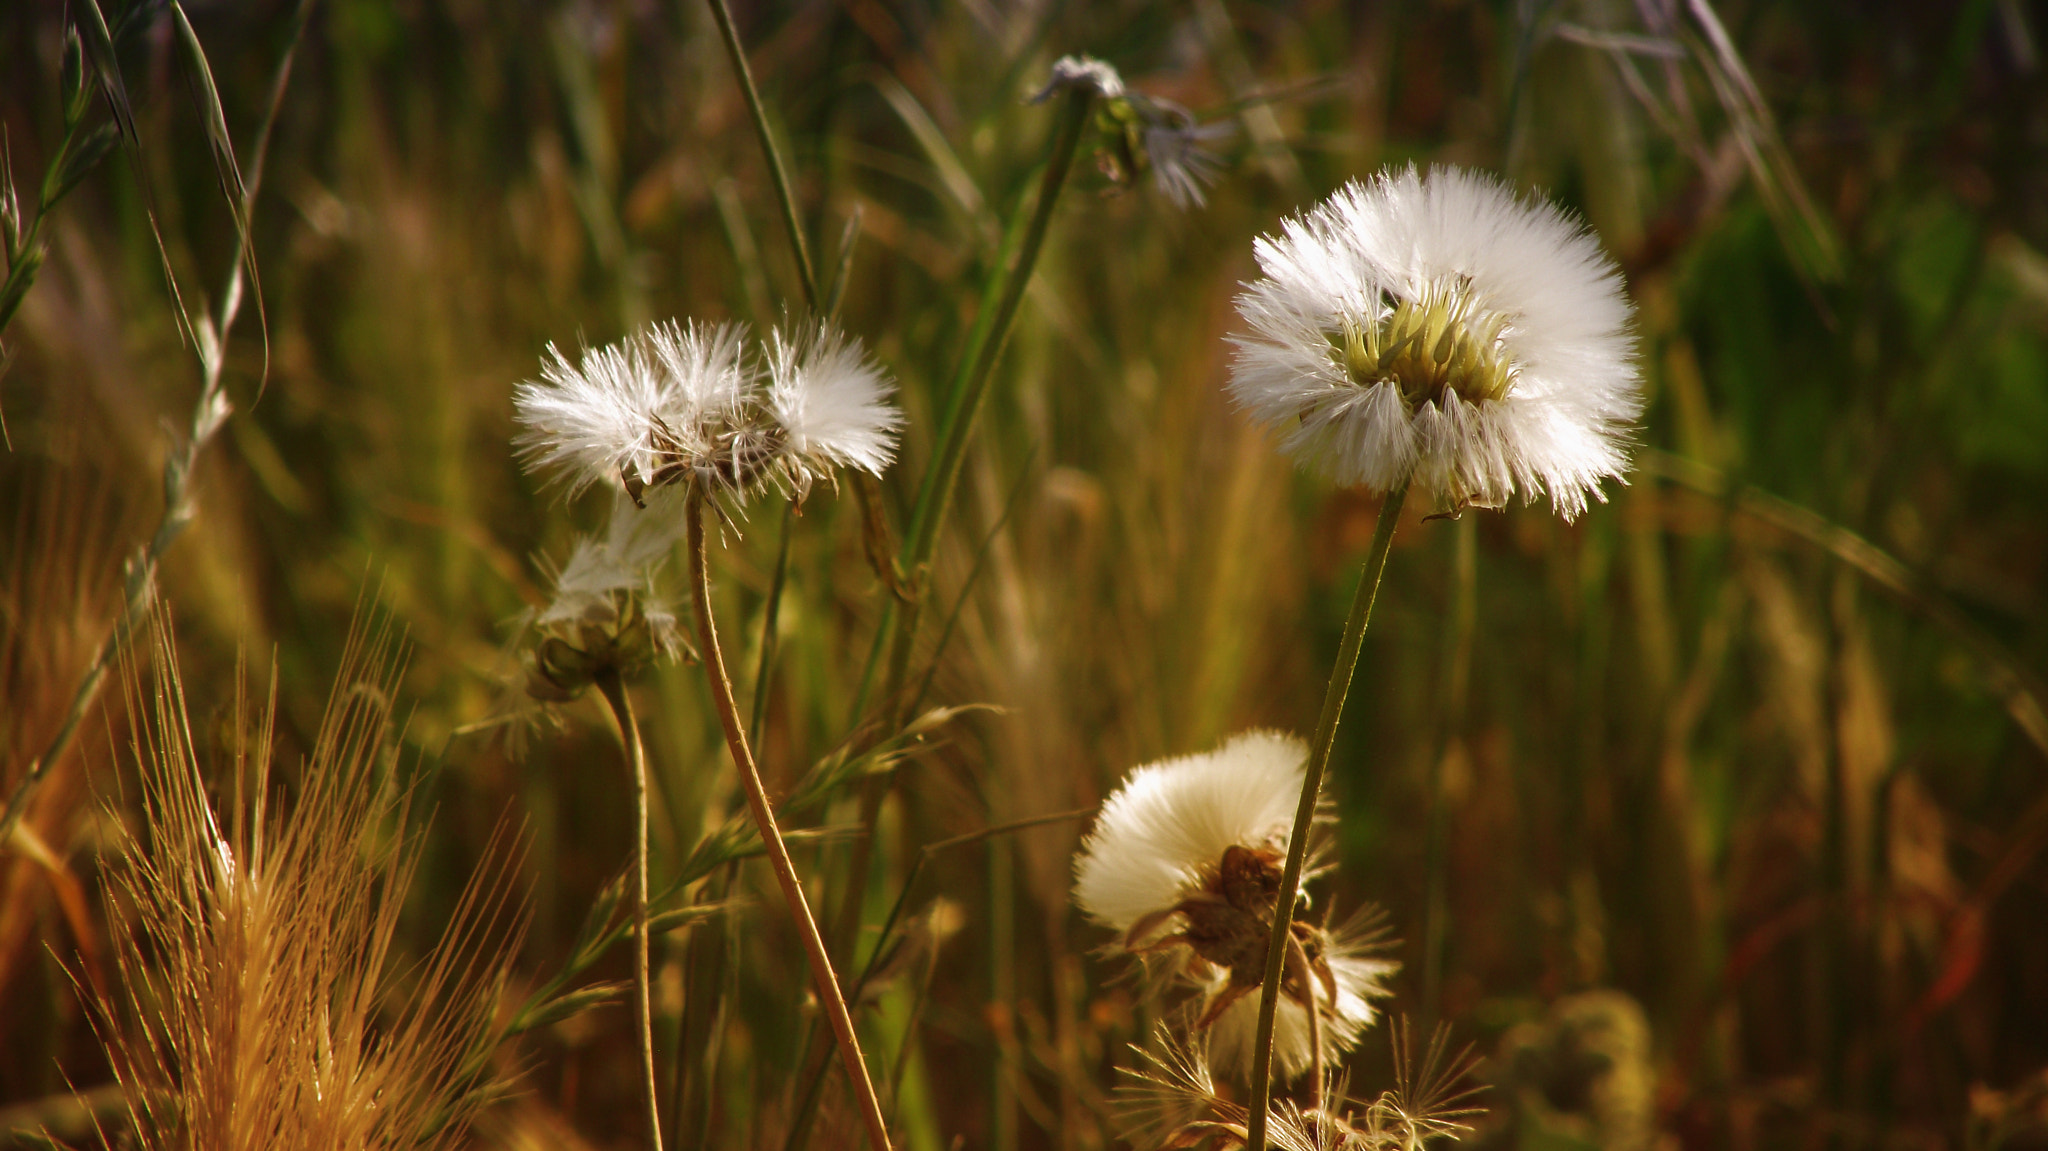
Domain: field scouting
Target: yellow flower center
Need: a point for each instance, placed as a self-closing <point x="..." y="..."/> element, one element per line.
<point x="1444" y="340"/>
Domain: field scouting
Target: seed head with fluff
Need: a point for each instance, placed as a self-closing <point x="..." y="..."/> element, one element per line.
<point x="1440" y="329"/>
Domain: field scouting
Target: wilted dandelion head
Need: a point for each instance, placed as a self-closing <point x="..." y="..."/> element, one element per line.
<point x="1080" y="73"/>
<point x="1148" y="133"/>
<point x="1439" y="329"/>
<point x="690" y="405"/>
<point x="607" y="613"/>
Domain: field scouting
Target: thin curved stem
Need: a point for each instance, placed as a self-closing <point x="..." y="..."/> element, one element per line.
<point x="636" y="757"/>
<point x="1305" y="813"/>
<point x="822" y="976"/>
<point x="776" y="172"/>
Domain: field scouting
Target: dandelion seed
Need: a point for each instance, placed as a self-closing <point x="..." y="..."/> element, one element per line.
<point x="1441" y="330"/>
<point x="1182" y="169"/>
<point x="1185" y="860"/>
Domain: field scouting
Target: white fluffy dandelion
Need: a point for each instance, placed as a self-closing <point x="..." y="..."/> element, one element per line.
<point x="1186" y="858"/>
<point x="1440" y="330"/>
<point x="694" y="405"/>
<point x="831" y="403"/>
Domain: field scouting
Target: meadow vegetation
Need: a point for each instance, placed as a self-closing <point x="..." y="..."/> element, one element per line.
<point x="1714" y="816"/>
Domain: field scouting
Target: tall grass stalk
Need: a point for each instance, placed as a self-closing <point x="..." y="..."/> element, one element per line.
<point x="822" y="975"/>
<point x="614" y="692"/>
<point x="209" y="413"/>
<point x="1305" y="813"/>
<point x="799" y="250"/>
<point x="897" y="633"/>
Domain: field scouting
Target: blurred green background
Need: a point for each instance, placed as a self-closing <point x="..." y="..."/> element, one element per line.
<point x="1712" y="820"/>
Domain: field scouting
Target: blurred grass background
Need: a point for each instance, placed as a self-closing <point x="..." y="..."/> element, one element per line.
<point x="1702" y="835"/>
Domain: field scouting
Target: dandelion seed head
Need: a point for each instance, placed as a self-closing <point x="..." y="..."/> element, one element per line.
<point x="1439" y="329"/>
<point x="831" y="403"/>
<point x="1165" y="829"/>
<point x="690" y="404"/>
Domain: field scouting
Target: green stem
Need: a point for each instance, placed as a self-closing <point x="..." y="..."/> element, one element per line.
<point x="776" y="172"/>
<point x="1305" y="813"/>
<point x="965" y="396"/>
<point x="822" y="976"/>
<point x="629" y="734"/>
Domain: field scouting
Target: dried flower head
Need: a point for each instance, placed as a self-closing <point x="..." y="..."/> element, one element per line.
<point x="1441" y="330"/>
<point x="607" y="612"/>
<point x="1185" y="861"/>
<point x="690" y="405"/>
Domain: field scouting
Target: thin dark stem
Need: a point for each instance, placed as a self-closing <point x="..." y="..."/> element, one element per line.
<point x="769" y="614"/>
<point x="636" y="757"/>
<point x="1305" y="813"/>
<point x="1315" y="1028"/>
<point x="827" y="983"/>
<point x="776" y="172"/>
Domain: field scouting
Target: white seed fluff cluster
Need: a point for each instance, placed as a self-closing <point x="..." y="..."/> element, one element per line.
<point x="1161" y="834"/>
<point x="1158" y="843"/>
<point x="696" y="404"/>
<point x="1360" y="979"/>
<point x="623" y="561"/>
<point x="1438" y="329"/>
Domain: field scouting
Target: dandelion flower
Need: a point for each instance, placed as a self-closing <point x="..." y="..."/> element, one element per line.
<point x="1186" y="858"/>
<point x="691" y="404"/>
<point x="1439" y="329"/>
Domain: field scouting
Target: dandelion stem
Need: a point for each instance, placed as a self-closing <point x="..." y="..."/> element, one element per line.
<point x="636" y="758"/>
<point x="822" y="975"/>
<point x="776" y="172"/>
<point x="1304" y="814"/>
